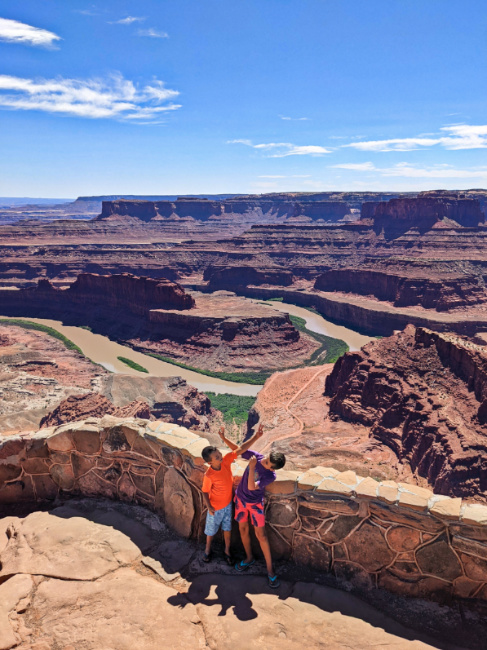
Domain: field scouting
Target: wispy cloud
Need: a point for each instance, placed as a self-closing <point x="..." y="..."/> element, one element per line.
<point x="406" y="170"/>
<point x="294" y="119"/>
<point x="152" y="33"/>
<point x="86" y="12"/>
<point x="454" y="137"/>
<point x="359" y="167"/>
<point x="114" y="97"/>
<point x="128" y="20"/>
<point x="12" y="31"/>
<point x="284" y="149"/>
<point x="395" y="144"/>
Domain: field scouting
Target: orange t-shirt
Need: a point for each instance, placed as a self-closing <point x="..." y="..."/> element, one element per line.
<point x="219" y="484"/>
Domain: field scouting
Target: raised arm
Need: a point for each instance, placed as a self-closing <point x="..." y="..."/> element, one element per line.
<point x="246" y="445"/>
<point x="228" y="442"/>
<point x="251" y="476"/>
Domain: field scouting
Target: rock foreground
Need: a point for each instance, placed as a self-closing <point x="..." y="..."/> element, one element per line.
<point x="95" y="574"/>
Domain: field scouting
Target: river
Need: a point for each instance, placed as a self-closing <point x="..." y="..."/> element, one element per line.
<point x="102" y="350"/>
<point x="317" y="323"/>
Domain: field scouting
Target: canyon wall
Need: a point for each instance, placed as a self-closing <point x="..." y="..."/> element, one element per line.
<point x="204" y="209"/>
<point x="372" y="317"/>
<point x="425" y="210"/>
<point x="440" y="293"/>
<point x="363" y="533"/>
<point x="226" y="277"/>
<point x="423" y="394"/>
<point x="108" y="292"/>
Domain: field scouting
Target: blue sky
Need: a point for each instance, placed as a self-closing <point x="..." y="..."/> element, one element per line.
<point x="209" y="96"/>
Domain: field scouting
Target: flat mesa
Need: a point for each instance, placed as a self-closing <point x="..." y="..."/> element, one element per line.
<point x="226" y="305"/>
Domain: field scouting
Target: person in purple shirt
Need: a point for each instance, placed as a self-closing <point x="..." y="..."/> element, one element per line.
<point x="249" y="504"/>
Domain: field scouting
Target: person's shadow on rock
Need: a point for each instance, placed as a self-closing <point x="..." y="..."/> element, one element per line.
<point x="230" y="593"/>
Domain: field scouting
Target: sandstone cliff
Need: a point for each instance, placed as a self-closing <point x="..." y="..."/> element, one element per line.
<point x="263" y="208"/>
<point x="424" y="211"/>
<point x="422" y="394"/>
<point x="107" y="292"/>
<point x="407" y="288"/>
<point x="225" y="277"/>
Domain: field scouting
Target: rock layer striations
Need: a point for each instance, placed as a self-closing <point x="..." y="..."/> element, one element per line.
<point x="423" y="395"/>
<point x="219" y="332"/>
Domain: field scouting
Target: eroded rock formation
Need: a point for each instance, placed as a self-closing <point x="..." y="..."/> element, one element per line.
<point x="79" y="407"/>
<point x="107" y="292"/>
<point x="444" y="293"/>
<point x="423" y="395"/>
<point x="224" y="277"/>
<point x="424" y="211"/>
<point x="263" y="209"/>
<point x="427" y="256"/>
<point x="41" y="379"/>
<point x="219" y="332"/>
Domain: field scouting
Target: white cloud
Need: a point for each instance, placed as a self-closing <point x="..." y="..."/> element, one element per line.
<point x="115" y="97"/>
<point x="460" y="136"/>
<point x="247" y="142"/>
<point x="12" y="31"/>
<point x="129" y="20"/>
<point x="465" y="136"/>
<point x="360" y="167"/>
<point x="152" y="33"/>
<point x="406" y="170"/>
<point x="284" y="149"/>
<point x="395" y="144"/>
<point x="294" y="119"/>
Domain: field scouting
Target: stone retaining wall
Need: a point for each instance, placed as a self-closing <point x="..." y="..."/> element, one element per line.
<point x="399" y="537"/>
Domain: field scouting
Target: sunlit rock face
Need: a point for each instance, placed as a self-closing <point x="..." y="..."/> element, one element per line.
<point x="423" y="395"/>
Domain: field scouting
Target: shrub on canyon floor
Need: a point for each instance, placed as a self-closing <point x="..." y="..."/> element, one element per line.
<point x="132" y="364"/>
<point x="235" y="408"/>
<point x="257" y="378"/>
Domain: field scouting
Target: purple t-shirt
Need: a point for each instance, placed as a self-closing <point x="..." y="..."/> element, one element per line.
<point x="262" y="476"/>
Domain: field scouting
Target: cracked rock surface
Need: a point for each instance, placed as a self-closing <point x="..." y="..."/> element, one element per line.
<point x="94" y="575"/>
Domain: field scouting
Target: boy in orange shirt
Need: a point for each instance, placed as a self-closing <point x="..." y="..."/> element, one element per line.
<point x="218" y="490"/>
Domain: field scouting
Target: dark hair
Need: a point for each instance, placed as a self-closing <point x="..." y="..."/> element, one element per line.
<point x="207" y="451"/>
<point x="277" y="459"/>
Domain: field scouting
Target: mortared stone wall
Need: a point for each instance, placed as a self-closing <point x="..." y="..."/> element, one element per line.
<point x="391" y="535"/>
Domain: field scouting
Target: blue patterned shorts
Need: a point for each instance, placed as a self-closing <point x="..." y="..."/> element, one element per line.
<point x="221" y="518"/>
